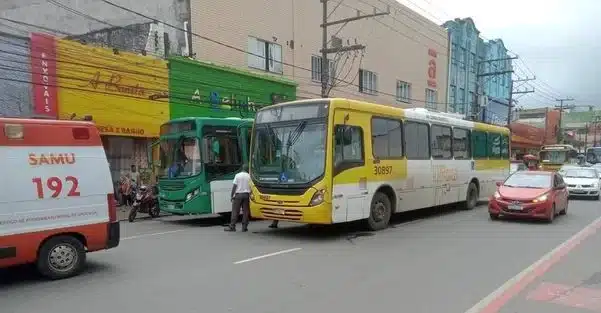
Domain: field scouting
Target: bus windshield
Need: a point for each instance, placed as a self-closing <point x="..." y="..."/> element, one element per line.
<point x="289" y="153"/>
<point x="556" y="157"/>
<point x="180" y="157"/>
<point x="593" y="155"/>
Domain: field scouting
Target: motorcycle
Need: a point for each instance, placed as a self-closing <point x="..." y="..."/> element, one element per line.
<point x="145" y="201"/>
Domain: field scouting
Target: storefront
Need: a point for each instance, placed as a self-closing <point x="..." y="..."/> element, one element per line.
<point x="125" y="94"/>
<point x="526" y="139"/>
<point x="205" y="89"/>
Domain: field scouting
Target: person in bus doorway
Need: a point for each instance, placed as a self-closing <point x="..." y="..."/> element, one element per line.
<point x="240" y="199"/>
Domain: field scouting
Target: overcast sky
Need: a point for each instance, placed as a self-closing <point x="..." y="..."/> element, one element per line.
<point x="555" y="39"/>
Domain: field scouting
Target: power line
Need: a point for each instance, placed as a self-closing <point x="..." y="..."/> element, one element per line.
<point x="325" y="51"/>
<point x="246" y="52"/>
<point x="561" y="108"/>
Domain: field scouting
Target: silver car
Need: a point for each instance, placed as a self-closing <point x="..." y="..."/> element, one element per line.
<point x="583" y="182"/>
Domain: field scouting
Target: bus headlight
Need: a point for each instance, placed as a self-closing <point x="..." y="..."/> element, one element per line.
<point x="318" y="197"/>
<point x="192" y="194"/>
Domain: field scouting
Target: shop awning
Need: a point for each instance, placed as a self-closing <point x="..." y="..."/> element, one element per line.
<point x="522" y="142"/>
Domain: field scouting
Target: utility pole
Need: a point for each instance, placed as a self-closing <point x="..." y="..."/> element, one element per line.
<point x="509" y="107"/>
<point x="512" y="92"/>
<point x="325" y="51"/>
<point x="561" y="107"/>
<point x="479" y="84"/>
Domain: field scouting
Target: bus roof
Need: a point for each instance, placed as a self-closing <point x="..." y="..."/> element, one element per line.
<point x="557" y="147"/>
<point x="414" y="113"/>
<point x="187" y="119"/>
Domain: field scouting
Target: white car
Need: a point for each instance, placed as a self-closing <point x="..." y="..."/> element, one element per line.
<point x="582" y="182"/>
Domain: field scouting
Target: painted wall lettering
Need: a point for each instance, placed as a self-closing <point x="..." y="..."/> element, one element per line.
<point x="229" y="102"/>
<point x="43" y="70"/>
<point x="113" y="84"/>
<point x="432" y="68"/>
<point x="109" y="129"/>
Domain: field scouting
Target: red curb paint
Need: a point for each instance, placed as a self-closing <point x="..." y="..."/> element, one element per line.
<point x="496" y="300"/>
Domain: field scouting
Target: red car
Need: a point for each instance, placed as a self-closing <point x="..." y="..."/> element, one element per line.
<point x="530" y="194"/>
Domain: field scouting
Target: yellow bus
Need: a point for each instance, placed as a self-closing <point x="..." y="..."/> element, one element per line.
<point x="326" y="161"/>
<point x="553" y="157"/>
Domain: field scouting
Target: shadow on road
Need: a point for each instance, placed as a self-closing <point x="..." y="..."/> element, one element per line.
<point x="352" y="230"/>
<point x="197" y="222"/>
<point x="25" y="275"/>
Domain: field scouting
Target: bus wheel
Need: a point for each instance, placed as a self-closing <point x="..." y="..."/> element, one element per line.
<point x="380" y="212"/>
<point x="471" y="199"/>
<point x="61" y="257"/>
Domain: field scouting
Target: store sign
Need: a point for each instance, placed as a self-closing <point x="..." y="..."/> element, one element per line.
<point x="206" y="90"/>
<point x="43" y="75"/>
<point x="118" y="130"/>
<point x="432" y="68"/>
<point x="125" y="94"/>
<point x="230" y="102"/>
<point x="233" y="101"/>
<point x="114" y="83"/>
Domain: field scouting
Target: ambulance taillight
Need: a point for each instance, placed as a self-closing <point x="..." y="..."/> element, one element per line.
<point x="112" y="205"/>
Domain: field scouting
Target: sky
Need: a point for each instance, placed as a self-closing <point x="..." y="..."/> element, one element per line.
<point x="554" y="39"/>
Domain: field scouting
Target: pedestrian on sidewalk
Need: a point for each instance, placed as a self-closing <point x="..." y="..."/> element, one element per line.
<point x="240" y="197"/>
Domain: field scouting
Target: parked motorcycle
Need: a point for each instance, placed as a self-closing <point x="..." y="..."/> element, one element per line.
<point x="145" y="202"/>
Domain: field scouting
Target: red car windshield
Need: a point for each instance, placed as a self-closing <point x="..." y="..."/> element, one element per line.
<point x="520" y="180"/>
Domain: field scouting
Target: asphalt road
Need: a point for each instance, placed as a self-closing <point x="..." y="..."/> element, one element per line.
<point x="427" y="262"/>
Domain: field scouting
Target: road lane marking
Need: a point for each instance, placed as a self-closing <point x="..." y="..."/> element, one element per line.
<point x="153" y="234"/>
<point x="267" y="255"/>
<point x="498" y="298"/>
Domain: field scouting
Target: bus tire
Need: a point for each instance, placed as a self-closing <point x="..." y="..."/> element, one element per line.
<point x="61" y="257"/>
<point x="379" y="212"/>
<point x="471" y="197"/>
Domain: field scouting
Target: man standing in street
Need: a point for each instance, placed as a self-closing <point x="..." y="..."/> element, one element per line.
<point x="240" y="199"/>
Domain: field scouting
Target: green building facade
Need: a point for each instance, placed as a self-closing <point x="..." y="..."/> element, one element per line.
<point x="203" y="89"/>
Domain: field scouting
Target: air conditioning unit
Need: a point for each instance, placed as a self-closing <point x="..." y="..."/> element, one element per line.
<point x="483" y="101"/>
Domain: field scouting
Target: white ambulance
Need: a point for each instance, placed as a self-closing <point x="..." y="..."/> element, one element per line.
<point x="56" y="195"/>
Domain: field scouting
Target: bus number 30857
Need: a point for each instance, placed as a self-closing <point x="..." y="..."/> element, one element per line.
<point x="382" y="170"/>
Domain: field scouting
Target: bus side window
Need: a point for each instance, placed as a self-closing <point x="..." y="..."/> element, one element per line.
<point x="348" y="151"/>
<point x="479" y="145"/>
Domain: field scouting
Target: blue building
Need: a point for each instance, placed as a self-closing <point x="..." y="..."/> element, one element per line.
<point x="496" y="88"/>
<point x="464" y="40"/>
<point x="472" y="91"/>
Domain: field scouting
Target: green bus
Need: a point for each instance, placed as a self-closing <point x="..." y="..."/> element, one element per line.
<point x="198" y="158"/>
